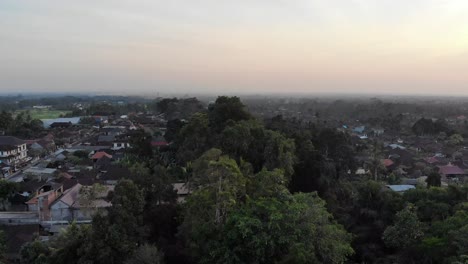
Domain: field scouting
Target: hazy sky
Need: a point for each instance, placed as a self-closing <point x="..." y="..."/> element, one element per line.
<point x="243" y="46"/>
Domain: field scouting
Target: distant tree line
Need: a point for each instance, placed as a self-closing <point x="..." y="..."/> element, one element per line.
<point x="22" y="125"/>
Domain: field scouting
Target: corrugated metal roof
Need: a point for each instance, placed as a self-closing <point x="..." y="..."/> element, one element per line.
<point x="400" y="188"/>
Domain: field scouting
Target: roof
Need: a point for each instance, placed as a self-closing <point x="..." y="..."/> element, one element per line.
<point x="101" y="154"/>
<point x="104" y="138"/>
<point x="31" y="186"/>
<point x="112" y="129"/>
<point x="88" y="148"/>
<point x="387" y="162"/>
<point x="159" y="143"/>
<point x="67" y="183"/>
<point x="10" y="143"/>
<point x="60" y="124"/>
<point x="394" y="146"/>
<point x="360" y="171"/>
<point x="48" y="122"/>
<point x="450" y="170"/>
<point x="181" y="188"/>
<point x="65" y="175"/>
<point x="58" y="228"/>
<point x="432" y="160"/>
<point x="114" y="172"/>
<point x="404" y="157"/>
<point x="71" y="195"/>
<point x="37" y="170"/>
<point x="400" y="188"/>
<point x="359" y="129"/>
<point x="44" y="194"/>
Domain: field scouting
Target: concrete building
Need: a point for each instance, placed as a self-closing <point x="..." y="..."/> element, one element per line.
<point x="13" y="151"/>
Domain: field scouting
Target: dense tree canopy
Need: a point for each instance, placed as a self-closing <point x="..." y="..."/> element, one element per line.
<point x="279" y="190"/>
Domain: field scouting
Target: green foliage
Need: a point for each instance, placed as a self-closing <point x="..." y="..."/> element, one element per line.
<point x="89" y="194"/>
<point x="227" y="109"/>
<point x="6" y="120"/>
<point x="460" y="240"/>
<point x="193" y="138"/>
<point x="3" y="247"/>
<point x="115" y="236"/>
<point x="68" y="246"/>
<point x="146" y="254"/>
<point x="22" y="125"/>
<point x="141" y="144"/>
<point x="406" y="231"/>
<point x="294" y="230"/>
<point x="163" y="105"/>
<point x="101" y="109"/>
<point x="279" y="153"/>
<point x="393" y="179"/>
<point x="235" y="218"/>
<point x="175" y="108"/>
<point x="35" y="252"/>
<point x="87" y="120"/>
<point x="268" y="184"/>
<point x="7" y="189"/>
<point x="82" y="154"/>
<point x="155" y="183"/>
<point x="428" y="127"/>
<point x="241" y="173"/>
<point x="433" y="180"/>
<point x="455" y="139"/>
<point x="218" y="184"/>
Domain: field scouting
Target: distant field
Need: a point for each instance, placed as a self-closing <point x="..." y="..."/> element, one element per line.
<point x="44" y="113"/>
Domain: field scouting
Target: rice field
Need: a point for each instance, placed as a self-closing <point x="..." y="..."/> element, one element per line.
<point x="44" y="113"/>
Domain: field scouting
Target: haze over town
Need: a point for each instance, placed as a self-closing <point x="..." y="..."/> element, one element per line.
<point x="255" y="46"/>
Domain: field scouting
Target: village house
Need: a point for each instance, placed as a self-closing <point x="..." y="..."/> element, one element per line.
<point x="13" y="151"/>
<point x="182" y="191"/>
<point x="99" y="155"/>
<point x="41" y="202"/>
<point x="73" y="205"/>
<point x="451" y="172"/>
<point x="120" y="142"/>
<point x="40" y="173"/>
<point x="53" y="202"/>
<point x="5" y="170"/>
<point x="42" y="146"/>
<point x="61" y="124"/>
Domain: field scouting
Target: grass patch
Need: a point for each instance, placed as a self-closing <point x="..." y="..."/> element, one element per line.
<point x="44" y="113"/>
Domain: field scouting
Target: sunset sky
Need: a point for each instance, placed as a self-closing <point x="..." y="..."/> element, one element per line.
<point x="241" y="46"/>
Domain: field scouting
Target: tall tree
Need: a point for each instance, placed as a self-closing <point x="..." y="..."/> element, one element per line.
<point x="433" y="179"/>
<point x="7" y="189"/>
<point x="295" y="229"/>
<point x="226" y="109"/>
<point x="406" y="230"/>
<point x="118" y="233"/>
<point x="146" y="254"/>
<point x="217" y="185"/>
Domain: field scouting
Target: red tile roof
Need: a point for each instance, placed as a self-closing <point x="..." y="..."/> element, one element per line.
<point x="432" y="160"/>
<point x="100" y="154"/>
<point x="159" y="143"/>
<point x="450" y="170"/>
<point x="387" y="162"/>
